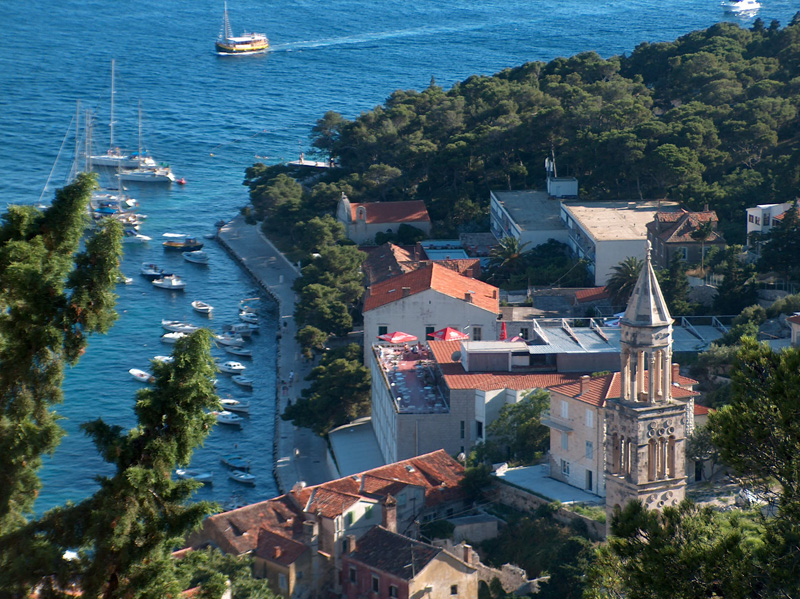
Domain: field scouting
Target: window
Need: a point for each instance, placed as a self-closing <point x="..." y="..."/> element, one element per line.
<point x="368" y="512"/>
<point x="589" y="450"/>
<point x="429" y="330"/>
<point x="565" y="467"/>
<point x="282" y="582"/>
<point x="758" y="220"/>
<point x="750" y="218"/>
<point x="376" y="583"/>
<point x="477" y="334"/>
<point x="392" y="590"/>
<point x="348" y="518"/>
<point x="766" y="221"/>
<point x="454" y="589"/>
<point x="683" y="253"/>
<point x="589" y="418"/>
<point x="353" y="577"/>
<point x="463" y="428"/>
<point x="564" y="409"/>
<point x="564" y="441"/>
<point x="337" y="524"/>
<point x="523" y="332"/>
<point x="383" y="329"/>
<point x="479" y="427"/>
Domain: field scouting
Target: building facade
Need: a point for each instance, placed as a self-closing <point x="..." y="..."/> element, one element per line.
<point x="363" y="221"/>
<point x="675" y="233"/>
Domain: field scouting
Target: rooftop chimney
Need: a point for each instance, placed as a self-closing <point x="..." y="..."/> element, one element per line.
<point x="676" y="371"/>
<point x="468" y="297"/>
<point x="585" y="383"/>
<point x="278" y="551"/>
<point x="351" y="543"/>
<point x="406" y="291"/>
<point x="467" y="553"/>
<point x="389" y="519"/>
<point x="494" y="293"/>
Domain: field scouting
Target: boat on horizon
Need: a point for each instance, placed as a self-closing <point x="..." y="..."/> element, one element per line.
<point x="740" y="6"/>
<point x="248" y="43"/>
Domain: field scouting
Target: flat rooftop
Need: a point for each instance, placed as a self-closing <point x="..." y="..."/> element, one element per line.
<point x="537" y="479"/>
<point x="617" y="221"/>
<point x="458" y="254"/>
<point x="355" y="447"/>
<point x="408" y="373"/>
<point x="531" y="210"/>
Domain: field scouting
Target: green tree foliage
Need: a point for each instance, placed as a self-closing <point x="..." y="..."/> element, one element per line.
<point x="781" y="249"/>
<point x="568" y="572"/>
<point x="211" y="569"/>
<point x="339" y="392"/>
<point x="683" y="551"/>
<point x="277" y="193"/>
<point x="738" y="289"/>
<point x="517" y="433"/>
<point x="337" y="267"/>
<point x="675" y="287"/>
<point x="53" y="295"/>
<point x="507" y="258"/>
<point x="124" y="534"/>
<point x="321" y="308"/>
<point x="318" y="233"/>
<point x="623" y="279"/>
<point x="311" y="339"/>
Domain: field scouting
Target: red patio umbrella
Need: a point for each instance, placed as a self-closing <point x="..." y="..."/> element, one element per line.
<point x="503" y="334"/>
<point x="448" y="334"/>
<point x="397" y="337"/>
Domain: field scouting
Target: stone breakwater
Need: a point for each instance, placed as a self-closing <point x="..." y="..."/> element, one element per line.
<point x="299" y="454"/>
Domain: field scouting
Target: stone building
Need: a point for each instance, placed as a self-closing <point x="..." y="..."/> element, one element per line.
<point x="646" y="427"/>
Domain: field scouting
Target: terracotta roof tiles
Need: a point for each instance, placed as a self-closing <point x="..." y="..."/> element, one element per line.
<point x="591" y="295"/>
<point x="413" y="211"/>
<point x="600" y="389"/>
<point x="438" y="278"/>
<point x="391" y="553"/>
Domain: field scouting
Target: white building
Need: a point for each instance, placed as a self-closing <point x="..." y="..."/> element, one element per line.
<point x="605" y="233"/>
<point x="761" y="219"/>
<point x="530" y="216"/>
<point x="426" y="300"/>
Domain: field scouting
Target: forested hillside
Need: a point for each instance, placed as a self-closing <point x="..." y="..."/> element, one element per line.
<point x="709" y="118"/>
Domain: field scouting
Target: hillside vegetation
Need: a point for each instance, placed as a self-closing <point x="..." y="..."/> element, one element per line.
<point x="709" y="118"/>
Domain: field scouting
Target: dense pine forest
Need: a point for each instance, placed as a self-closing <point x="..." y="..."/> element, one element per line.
<point x="709" y="118"/>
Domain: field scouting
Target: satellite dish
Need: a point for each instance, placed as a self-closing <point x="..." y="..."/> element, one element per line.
<point x="456" y="357"/>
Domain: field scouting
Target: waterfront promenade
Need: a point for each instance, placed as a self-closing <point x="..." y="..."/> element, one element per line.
<point x="300" y="455"/>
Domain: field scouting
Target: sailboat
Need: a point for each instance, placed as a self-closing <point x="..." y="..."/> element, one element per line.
<point x="247" y="43"/>
<point x="143" y="173"/>
<point x="114" y="157"/>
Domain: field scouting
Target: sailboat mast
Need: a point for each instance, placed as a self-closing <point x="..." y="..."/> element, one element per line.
<point x="77" y="136"/>
<point x="227" y="25"/>
<point x="87" y="122"/>
<point x="139" y="155"/>
<point x="111" y="124"/>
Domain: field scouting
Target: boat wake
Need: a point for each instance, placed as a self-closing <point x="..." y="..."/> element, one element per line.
<point x="366" y="38"/>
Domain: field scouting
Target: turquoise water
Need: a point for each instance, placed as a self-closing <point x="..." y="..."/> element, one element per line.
<point x="210" y="117"/>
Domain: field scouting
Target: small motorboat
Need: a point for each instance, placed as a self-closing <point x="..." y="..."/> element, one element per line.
<point x="236" y="462"/>
<point x="232" y="367"/>
<point x="248" y="317"/>
<point x="171" y="282"/>
<point x="178" y="326"/>
<point x="132" y="236"/>
<point x="152" y="271"/>
<point x="198" y="257"/>
<point x="164" y="359"/>
<point x="182" y="242"/>
<point x="740" y="6"/>
<point x="202" y="307"/>
<point x="226" y="417"/>
<point x="235" y="405"/>
<point x="238" y="351"/>
<point x="228" y="339"/>
<point x="242" y="380"/>
<point x="243" y="328"/>
<point x="142" y="376"/>
<point x="242" y="477"/>
<point x="207" y="478"/>
<point x="172" y="338"/>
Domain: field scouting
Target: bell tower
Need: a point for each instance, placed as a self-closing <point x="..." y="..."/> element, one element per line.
<point x="645" y="427"/>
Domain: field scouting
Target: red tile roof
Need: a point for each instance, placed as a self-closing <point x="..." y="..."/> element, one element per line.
<point x="389" y="260"/>
<point x="438" y="278"/>
<point x="702" y="410"/>
<point x="794" y="319"/>
<point x="591" y="295"/>
<point x="457" y="378"/>
<point x="681" y="226"/>
<point x="782" y="214"/>
<point x="393" y="212"/>
<point x="278" y="548"/>
<point x="608" y="386"/>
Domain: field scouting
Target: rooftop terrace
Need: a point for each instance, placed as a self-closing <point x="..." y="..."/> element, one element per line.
<point x="408" y="374"/>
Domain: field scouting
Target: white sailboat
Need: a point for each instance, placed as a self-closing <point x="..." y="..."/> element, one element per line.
<point x="144" y="173"/>
<point x="114" y="157"/>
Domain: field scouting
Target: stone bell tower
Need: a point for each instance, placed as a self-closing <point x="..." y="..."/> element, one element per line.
<point x="645" y="426"/>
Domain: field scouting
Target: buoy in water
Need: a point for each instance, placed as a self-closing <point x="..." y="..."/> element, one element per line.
<point x="181" y="181"/>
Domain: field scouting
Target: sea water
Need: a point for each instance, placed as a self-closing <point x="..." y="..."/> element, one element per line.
<point x="211" y="116"/>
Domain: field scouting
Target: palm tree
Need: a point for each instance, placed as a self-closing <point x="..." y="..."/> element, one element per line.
<point x="508" y="257"/>
<point x="620" y="285"/>
<point x="701" y="234"/>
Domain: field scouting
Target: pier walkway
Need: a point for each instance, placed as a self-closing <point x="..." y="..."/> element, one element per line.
<point x="300" y="455"/>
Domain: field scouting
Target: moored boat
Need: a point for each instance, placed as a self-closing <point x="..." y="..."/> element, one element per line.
<point x="152" y="271"/>
<point x="197" y="256"/>
<point x="238" y="351"/>
<point x="172" y="338"/>
<point x="247" y="43"/>
<point x="232" y="367"/>
<point x="131" y="236"/>
<point x="164" y="359"/>
<point x="236" y="462"/>
<point x="171" y="282"/>
<point x="157" y="174"/>
<point x="202" y="307"/>
<point x="228" y="339"/>
<point x="178" y="326"/>
<point x="226" y="417"/>
<point x="207" y="478"/>
<point x="182" y="242"/>
<point x="248" y="317"/>
<point x="242" y="477"/>
<point x="242" y="380"/>
<point x="235" y="405"/>
<point x="244" y="329"/>
<point x="142" y="376"/>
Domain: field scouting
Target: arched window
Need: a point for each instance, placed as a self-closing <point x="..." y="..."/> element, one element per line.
<point x="651" y="460"/>
<point x="671" y="457"/>
<point x="662" y="454"/>
<point x="615" y="453"/>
